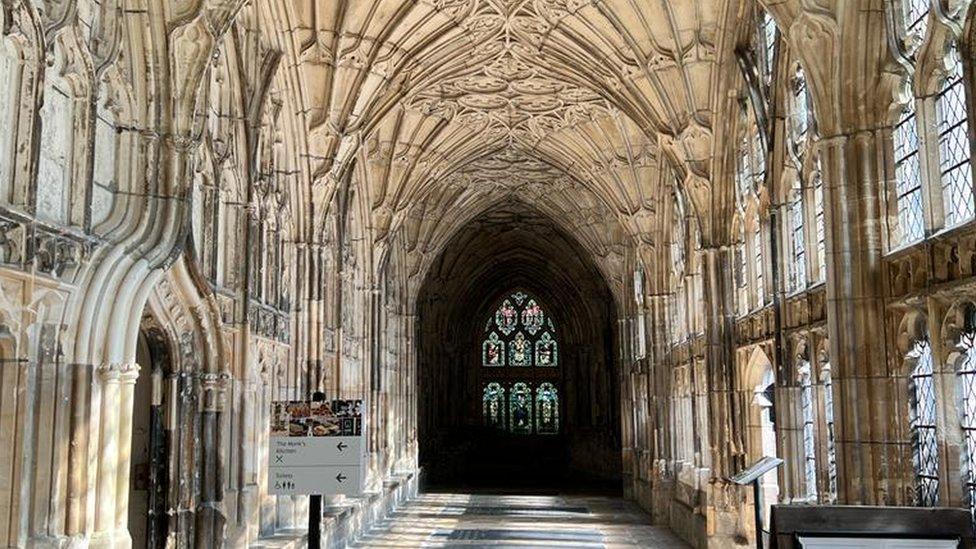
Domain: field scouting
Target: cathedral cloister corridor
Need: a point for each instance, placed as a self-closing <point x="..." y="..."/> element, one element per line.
<point x="407" y="273"/>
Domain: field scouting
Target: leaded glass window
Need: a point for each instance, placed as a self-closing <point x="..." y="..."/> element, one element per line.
<point x="765" y="45"/>
<point x="818" y="209"/>
<point x="760" y="266"/>
<point x="809" y="446"/>
<point x="966" y="374"/>
<point x="798" y="267"/>
<point x="954" y="151"/>
<point x="828" y="394"/>
<point x="520" y="356"/>
<point x="922" y="420"/>
<point x="915" y="16"/>
<point x="493" y="403"/>
<point x="908" y="178"/>
<point x="546" y="409"/>
<point x="750" y="178"/>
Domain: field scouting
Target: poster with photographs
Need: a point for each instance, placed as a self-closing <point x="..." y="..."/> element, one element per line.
<point x="326" y="418"/>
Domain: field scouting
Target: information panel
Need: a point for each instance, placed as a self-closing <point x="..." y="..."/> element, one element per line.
<point x="316" y="448"/>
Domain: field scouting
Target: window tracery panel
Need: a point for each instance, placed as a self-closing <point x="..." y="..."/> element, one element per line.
<point x="922" y="421"/>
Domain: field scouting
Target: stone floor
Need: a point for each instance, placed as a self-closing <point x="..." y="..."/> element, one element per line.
<point x="465" y="520"/>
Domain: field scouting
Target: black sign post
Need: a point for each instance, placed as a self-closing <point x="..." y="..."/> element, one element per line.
<point x="315" y="503"/>
<point x="752" y="475"/>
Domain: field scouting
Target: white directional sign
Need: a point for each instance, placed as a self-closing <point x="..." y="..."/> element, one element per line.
<point x="316" y="448"/>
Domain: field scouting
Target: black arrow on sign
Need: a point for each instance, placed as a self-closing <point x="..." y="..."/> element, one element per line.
<point x="341" y="446"/>
<point x="340" y="478"/>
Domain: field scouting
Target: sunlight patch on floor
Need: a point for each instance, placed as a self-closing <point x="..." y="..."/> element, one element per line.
<point x="466" y="520"/>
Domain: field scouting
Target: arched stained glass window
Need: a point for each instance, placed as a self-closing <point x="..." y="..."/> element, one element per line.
<point x="532" y="317"/>
<point x="520" y="356"/>
<point x="922" y="424"/>
<point x="493" y="351"/>
<point x="546" y="409"/>
<point x="520" y="351"/>
<point x="546" y="352"/>
<point x="520" y="409"/>
<point x="493" y="403"/>
<point x="954" y="152"/>
<point x="506" y="317"/>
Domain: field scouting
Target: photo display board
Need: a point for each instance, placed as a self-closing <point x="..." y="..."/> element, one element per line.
<point x="316" y="448"/>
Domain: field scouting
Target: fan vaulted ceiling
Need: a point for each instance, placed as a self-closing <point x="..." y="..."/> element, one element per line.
<point x="569" y="105"/>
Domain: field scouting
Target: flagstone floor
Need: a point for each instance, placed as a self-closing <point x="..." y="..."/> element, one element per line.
<point x="466" y="520"/>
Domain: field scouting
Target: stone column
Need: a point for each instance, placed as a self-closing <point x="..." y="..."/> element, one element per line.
<point x="109" y="375"/>
<point x="853" y="201"/>
<point x="717" y="270"/>
<point x="128" y="374"/>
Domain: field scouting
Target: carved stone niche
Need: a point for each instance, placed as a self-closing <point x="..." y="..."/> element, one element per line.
<point x="953" y="257"/>
<point x="55" y="254"/>
<point x="12" y="241"/>
<point x="908" y="272"/>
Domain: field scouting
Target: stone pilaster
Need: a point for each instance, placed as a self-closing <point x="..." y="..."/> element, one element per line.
<point x="853" y="193"/>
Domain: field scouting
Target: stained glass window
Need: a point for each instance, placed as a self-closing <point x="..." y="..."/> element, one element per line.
<point x="922" y="424"/>
<point x="520" y="351"/>
<point x="493" y="351"/>
<point x="532" y="317"/>
<point x="506" y="317"/>
<point x="520" y="409"/>
<point x="828" y="393"/>
<point x="809" y="446"/>
<point x="546" y="353"/>
<point x="519" y="335"/>
<point x="966" y="377"/>
<point x="954" y="152"/>
<point x="546" y="409"/>
<point x="494" y="405"/>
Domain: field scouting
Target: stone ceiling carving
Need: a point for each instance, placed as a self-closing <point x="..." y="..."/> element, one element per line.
<point x="509" y="94"/>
